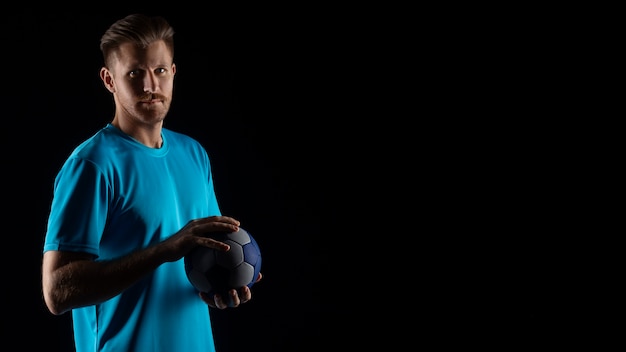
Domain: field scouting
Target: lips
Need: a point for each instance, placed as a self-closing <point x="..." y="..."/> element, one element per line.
<point x="152" y="98"/>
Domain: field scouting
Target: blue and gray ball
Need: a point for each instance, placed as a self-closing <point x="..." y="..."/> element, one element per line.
<point x="214" y="271"/>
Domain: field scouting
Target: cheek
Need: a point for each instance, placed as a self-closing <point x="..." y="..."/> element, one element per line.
<point x="167" y="84"/>
<point x="127" y="86"/>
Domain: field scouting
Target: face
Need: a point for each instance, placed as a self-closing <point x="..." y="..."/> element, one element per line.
<point x="142" y="81"/>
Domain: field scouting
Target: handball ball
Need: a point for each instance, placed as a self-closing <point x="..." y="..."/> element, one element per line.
<point x="213" y="271"/>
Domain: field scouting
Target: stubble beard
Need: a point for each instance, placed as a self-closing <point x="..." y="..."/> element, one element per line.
<point x="151" y="113"/>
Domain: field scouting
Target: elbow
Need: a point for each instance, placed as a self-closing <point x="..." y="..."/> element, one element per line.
<point x="53" y="297"/>
<point x="62" y="276"/>
<point x="54" y="309"/>
<point x="54" y="305"/>
<point x="57" y="291"/>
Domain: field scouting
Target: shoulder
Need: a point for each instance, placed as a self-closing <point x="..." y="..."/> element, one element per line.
<point x="181" y="140"/>
<point x="178" y="136"/>
<point x="102" y="145"/>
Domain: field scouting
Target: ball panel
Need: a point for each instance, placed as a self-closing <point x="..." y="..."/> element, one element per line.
<point x="203" y="258"/>
<point x="218" y="278"/>
<point x="231" y="258"/>
<point x="199" y="281"/>
<point x="251" y="253"/>
<point x="241" y="276"/>
<point x="242" y="237"/>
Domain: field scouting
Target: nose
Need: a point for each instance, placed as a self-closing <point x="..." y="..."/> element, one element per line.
<point x="150" y="82"/>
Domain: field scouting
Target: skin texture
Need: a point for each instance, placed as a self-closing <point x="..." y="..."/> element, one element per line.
<point x="141" y="81"/>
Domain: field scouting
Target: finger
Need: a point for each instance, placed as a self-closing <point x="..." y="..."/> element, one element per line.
<point x="235" y="301"/>
<point x="212" y="243"/>
<point x="245" y="295"/>
<point x="208" y="299"/>
<point x="219" y="302"/>
<point x="213" y="224"/>
<point x="205" y="229"/>
<point x="221" y="219"/>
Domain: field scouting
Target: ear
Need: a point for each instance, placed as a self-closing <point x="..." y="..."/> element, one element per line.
<point x="107" y="79"/>
<point x="173" y="69"/>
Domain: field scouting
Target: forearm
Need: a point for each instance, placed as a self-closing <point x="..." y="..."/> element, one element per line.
<point x="81" y="283"/>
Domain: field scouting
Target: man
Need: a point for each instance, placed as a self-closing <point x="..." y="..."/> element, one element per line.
<point x="128" y="204"/>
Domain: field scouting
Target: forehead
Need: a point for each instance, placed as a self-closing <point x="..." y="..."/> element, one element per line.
<point x="155" y="54"/>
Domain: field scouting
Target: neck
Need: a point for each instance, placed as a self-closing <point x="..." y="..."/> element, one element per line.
<point x="148" y="135"/>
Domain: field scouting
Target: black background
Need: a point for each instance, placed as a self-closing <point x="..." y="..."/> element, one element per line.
<point x="256" y="92"/>
<point x="456" y="143"/>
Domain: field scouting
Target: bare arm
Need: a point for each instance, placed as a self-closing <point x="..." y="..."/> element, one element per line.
<point x="71" y="280"/>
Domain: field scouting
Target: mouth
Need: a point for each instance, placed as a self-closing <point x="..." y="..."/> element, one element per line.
<point x="152" y="98"/>
<point x="151" y="101"/>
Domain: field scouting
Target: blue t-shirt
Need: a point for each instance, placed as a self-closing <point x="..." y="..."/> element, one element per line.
<point x="114" y="195"/>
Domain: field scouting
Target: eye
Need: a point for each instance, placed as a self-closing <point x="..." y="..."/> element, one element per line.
<point x="134" y="73"/>
<point x="160" y="70"/>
